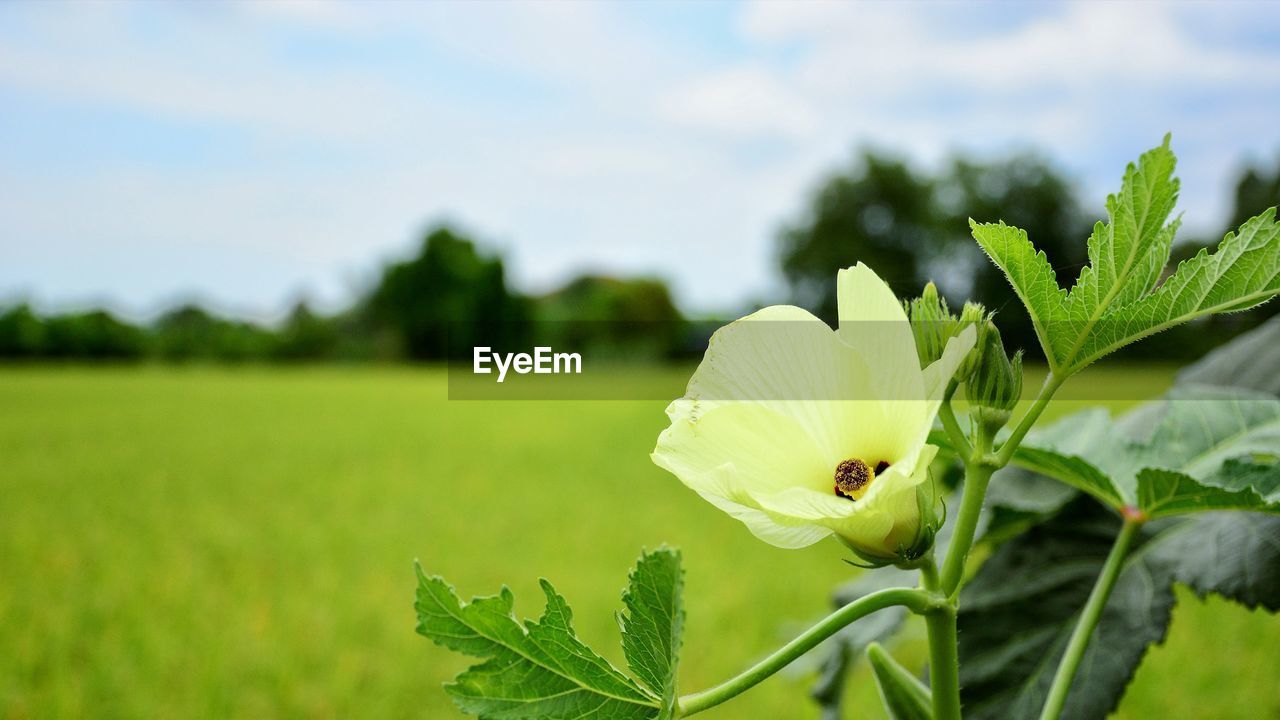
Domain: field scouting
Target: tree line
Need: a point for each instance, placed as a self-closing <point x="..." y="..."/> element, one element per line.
<point x="436" y="305"/>
<point x="452" y="295"/>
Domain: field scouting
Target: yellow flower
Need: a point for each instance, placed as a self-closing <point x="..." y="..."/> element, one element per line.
<point x="801" y="431"/>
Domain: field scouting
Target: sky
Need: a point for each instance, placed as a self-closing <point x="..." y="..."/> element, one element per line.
<point x="248" y="155"/>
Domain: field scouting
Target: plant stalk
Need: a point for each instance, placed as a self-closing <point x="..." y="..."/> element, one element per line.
<point x="976" y="478"/>
<point x="1088" y="621"/>
<point x="914" y="599"/>
<point x="951" y="425"/>
<point x="1051" y="384"/>
<point x="944" y="665"/>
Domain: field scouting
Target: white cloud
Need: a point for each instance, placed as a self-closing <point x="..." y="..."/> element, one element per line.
<point x="1077" y="78"/>
<point x="201" y="69"/>
<point x="741" y="103"/>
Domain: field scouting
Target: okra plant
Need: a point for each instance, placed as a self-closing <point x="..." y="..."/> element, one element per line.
<point x="804" y="433"/>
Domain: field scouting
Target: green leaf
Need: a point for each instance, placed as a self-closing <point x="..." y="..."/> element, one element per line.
<point x="1162" y="493"/>
<point x="1031" y="275"/>
<point x="1021" y="606"/>
<point x="1127" y="254"/>
<point x="541" y="669"/>
<point x="1249" y="362"/>
<point x="1115" y="300"/>
<point x="903" y="695"/>
<point x="1018" y="612"/>
<point x="1260" y="476"/>
<point x="1201" y="427"/>
<point x="1208" y="449"/>
<point x="1243" y="272"/>
<point x="1058" y="451"/>
<point x="653" y="624"/>
<point x="1072" y="470"/>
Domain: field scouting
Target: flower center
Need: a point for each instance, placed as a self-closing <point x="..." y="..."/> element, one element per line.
<point x="852" y="477"/>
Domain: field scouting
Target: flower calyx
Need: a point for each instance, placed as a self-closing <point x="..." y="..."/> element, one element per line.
<point x="909" y="555"/>
<point x="933" y="324"/>
<point x="996" y="384"/>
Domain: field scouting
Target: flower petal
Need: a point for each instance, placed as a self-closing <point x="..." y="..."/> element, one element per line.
<point x="908" y="474"/>
<point x="780" y="400"/>
<point x="865" y="525"/>
<point x="940" y="372"/>
<point x="791" y="361"/>
<point x="886" y="518"/>
<point x="764" y="450"/>
<point x="873" y="322"/>
<point x="716" y="488"/>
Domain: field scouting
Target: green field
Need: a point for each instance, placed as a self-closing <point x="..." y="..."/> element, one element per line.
<point x="190" y="543"/>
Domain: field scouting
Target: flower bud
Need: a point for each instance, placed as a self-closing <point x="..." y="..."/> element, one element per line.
<point x="931" y="322"/>
<point x="996" y="385"/>
<point x="976" y="315"/>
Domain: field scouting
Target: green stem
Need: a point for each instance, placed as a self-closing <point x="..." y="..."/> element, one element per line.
<point x="976" y="478"/>
<point x="1051" y="384"/>
<point x="944" y="665"/>
<point x="1088" y="621"/>
<point x="929" y="574"/>
<point x="979" y="465"/>
<point x="914" y="599"/>
<point x="947" y="414"/>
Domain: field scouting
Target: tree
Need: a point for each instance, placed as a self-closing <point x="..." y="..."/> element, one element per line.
<point x="913" y="228"/>
<point x="606" y="316"/>
<point x="1024" y="191"/>
<point x="95" y="335"/>
<point x="447" y="300"/>
<point x="189" y="332"/>
<point x="307" y="336"/>
<point x="21" y="333"/>
<point x="879" y="212"/>
<point x="1256" y="190"/>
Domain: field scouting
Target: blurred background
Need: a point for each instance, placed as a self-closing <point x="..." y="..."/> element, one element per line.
<point x="234" y="238"/>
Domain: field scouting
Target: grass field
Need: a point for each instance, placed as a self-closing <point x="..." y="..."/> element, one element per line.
<point x="191" y="543"/>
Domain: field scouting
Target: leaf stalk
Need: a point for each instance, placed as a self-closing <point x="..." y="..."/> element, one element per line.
<point x="914" y="599"/>
<point x="1089" y="618"/>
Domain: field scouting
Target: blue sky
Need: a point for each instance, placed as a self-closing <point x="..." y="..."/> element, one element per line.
<point x="249" y="154"/>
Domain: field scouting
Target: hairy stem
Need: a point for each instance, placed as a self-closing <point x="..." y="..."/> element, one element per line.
<point x="914" y="599"/>
<point x="944" y="665"/>
<point x="929" y="574"/>
<point x="1051" y="384"/>
<point x="978" y="466"/>
<point x="976" y="478"/>
<point x="947" y="414"/>
<point x="1088" y="621"/>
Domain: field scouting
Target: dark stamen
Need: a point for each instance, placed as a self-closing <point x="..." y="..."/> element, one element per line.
<point x="851" y="476"/>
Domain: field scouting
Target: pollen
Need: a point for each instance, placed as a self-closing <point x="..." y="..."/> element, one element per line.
<point x="852" y="476"/>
